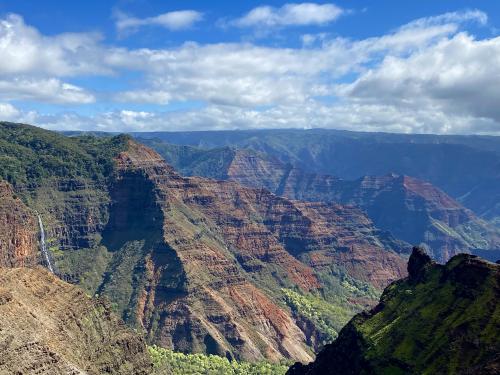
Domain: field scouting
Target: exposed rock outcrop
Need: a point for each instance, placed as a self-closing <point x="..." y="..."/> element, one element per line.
<point x="18" y="231"/>
<point x="199" y="265"/>
<point x="50" y="327"/>
<point x="411" y="209"/>
<point x="233" y="248"/>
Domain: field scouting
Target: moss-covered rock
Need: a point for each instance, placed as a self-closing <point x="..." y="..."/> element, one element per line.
<point x="439" y="320"/>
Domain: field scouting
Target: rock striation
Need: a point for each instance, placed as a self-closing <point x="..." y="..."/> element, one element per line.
<point x="50" y="327"/>
<point x="18" y="234"/>
<point x="411" y="209"/>
<point x="197" y="264"/>
<point x="231" y="250"/>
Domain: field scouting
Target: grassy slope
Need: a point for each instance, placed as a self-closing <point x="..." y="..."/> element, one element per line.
<point x="453" y="309"/>
<point x="64" y="179"/>
<point x="29" y="155"/>
<point x="443" y="320"/>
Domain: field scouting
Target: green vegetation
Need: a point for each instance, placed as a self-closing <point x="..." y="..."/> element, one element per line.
<point x="194" y="161"/>
<point x="328" y="318"/>
<point x="440" y="320"/>
<point x="454" y="308"/>
<point x="86" y="265"/>
<point x="29" y="155"/>
<point x="168" y="362"/>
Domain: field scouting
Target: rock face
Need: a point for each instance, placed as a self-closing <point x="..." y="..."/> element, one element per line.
<point x="228" y="243"/>
<point x="454" y="164"/>
<point x="411" y="209"/>
<point x="50" y="327"/>
<point x="215" y="256"/>
<point x="19" y="230"/>
<point x="301" y="165"/>
<point x="199" y="265"/>
<point x="440" y="320"/>
<point x="418" y="212"/>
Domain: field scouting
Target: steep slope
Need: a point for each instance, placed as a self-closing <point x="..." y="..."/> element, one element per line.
<point x="439" y="320"/>
<point x="18" y="234"/>
<point x="416" y="212"/>
<point x="411" y="209"/>
<point x="50" y="327"/>
<point x="199" y="265"/>
<point x="231" y="249"/>
<point x="194" y="161"/>
<point x="458" y="165"/>
<point x="484" y="199"/>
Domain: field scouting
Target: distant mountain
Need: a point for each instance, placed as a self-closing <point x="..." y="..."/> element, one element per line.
<point x="439" y="320"/>
<point x="465" y="167"/>
<point x="455" y="164"/>
<point x="199" y="265"/>
<point x="50" y="327"/>
<point x="412" y="210"/>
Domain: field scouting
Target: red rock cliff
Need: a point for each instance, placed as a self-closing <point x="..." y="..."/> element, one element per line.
<point x="18" y="237"/>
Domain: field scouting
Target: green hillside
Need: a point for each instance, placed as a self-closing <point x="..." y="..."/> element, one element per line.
<point x="439" y="320"/>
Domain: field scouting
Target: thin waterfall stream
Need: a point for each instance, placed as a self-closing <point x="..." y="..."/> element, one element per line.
<point x="43" y="246"/>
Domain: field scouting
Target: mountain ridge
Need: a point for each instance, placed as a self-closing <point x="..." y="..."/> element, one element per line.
<point x="412" y="210"/>
<point x="198" y="264"/>
<point x="440" y="319"/>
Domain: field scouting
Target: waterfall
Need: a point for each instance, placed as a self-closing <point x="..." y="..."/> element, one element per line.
<point x="43" y="246"/>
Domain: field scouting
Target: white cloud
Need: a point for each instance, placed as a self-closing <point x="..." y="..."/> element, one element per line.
<point x="8" y="112"/>
<point x="247" y="75"/>
<point x="25" y="51"/>
<point x="176" y="20"/>
<point x="473" y="15"/>
<point x="31" y="63"/>
<point x="460" y="75"/>
<point x="290" y="15"/>
<point x="49" y="90"/>
<point x="426" y="76"/>
<point x="349" y="116"/>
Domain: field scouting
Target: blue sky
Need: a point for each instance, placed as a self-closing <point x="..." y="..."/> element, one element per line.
<point x="398" y="66"/>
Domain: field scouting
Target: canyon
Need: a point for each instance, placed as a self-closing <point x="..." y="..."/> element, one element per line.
<point x="410" y="209"/>
<point x="257" y="261"/>
<point x="196" y="264"/>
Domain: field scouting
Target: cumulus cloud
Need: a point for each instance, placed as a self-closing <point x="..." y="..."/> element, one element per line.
<point x="349" y="116"/>
<point x="25" y="51"/>
<point x="427" y="76"/>
<point x="247" y="75"/>
<point x="31" y="63"/>
<point x="176" y="20"/>
<point x="49" y="90"/>
<point x="460" y="75"/>
<point x="9" y="112"/>
<point x="301" y="14"/>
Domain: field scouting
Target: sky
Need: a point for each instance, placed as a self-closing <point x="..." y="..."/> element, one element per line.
<point x="415" y="66"/>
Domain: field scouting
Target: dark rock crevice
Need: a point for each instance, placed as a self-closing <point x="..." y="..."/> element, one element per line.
<point x="144" y="270"/>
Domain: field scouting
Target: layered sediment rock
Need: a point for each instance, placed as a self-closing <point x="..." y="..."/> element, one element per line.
<point x="50" y="327"/>
<point x="411" y="209"/>
<point x="232" y="248"/>
<point x="199" y="265"/>
<point x="19" y="230"/>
